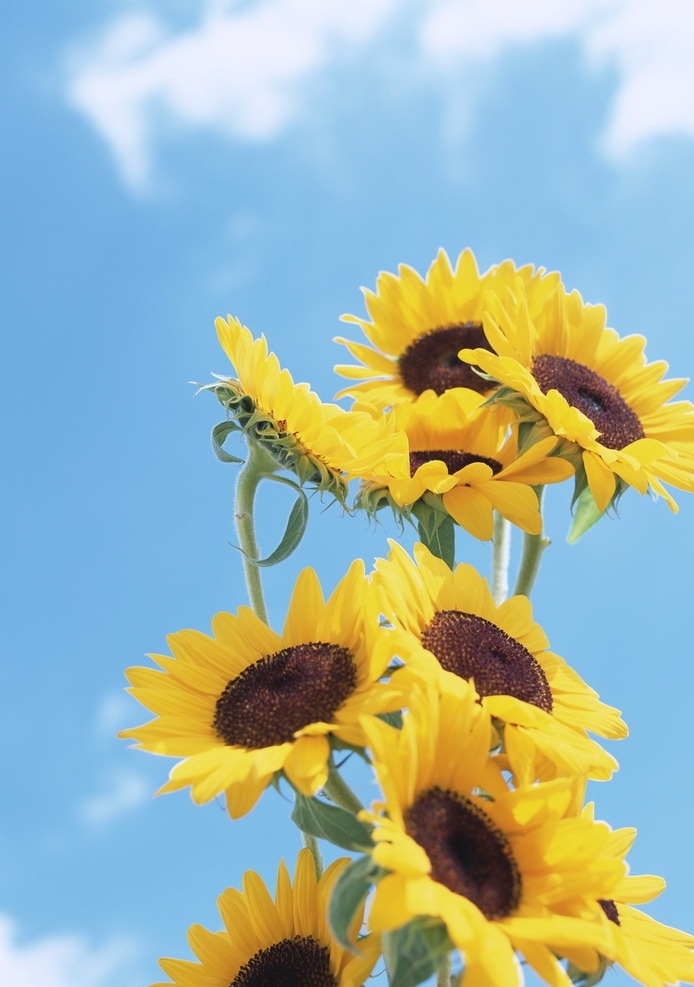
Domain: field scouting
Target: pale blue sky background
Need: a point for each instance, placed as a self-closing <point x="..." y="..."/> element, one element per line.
<point x="168" y="162"/>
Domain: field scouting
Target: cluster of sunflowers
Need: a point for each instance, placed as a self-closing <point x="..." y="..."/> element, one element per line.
<point x="481" y="857"/>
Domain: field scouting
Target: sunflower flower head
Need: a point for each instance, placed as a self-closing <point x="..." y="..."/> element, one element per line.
<point x="321" y="443"/>
<point x="460" y="460"/>
<point x="542" y="707"/>
<point x="564" y="373"/>
<point x="417" y="325"/>
<point x="247" y="704"/>
<point x="282" y="941"/>
<point x="506" y="871"/>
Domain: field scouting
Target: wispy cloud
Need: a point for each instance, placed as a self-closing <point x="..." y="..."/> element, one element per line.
<point x="247" y="71"/>
<point x="58" y="961"/>
<point x="125" y="791"/>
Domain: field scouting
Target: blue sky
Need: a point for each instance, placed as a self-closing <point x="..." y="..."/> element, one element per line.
<point x="167" y="163"/>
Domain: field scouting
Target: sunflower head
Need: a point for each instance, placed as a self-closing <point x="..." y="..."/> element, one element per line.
<point x="282" y="941"/>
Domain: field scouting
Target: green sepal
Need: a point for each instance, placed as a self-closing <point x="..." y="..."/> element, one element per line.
<point x="393" y="719"/>
<point x="415" y="951"/>
<point x="295" y="530"/>
<point x="586" y="514"/>
<point x="436" y="529"/>
<point x="581" y="979"/>
<point x="330" y="822"/>
<point x="220" y="433"/>
<point x="351" y="888"/>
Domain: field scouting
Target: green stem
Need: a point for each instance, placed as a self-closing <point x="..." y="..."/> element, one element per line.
<point x="501" y="556"/>
<point x="443" y="974"/>
<point x="311" y="843"/>
<point x="533" y="547"/>
<point x="339" y="792"/>
<point x="257" y="465"/>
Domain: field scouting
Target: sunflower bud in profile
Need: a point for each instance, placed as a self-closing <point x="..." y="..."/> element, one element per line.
<point x="418" y="325"/>
<point x="564" y="373"/>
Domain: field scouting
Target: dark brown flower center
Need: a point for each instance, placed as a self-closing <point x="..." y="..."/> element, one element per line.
<point x="281" y="693"/>
<point x="468" y="854"/>
<point x="297" y="962"/>
<point x="432" y="361"/>
<point x="586" y="390"/>
<point x="472" y="647"/>
<point x="455" y="459"/>
<point x="610" y="909"/>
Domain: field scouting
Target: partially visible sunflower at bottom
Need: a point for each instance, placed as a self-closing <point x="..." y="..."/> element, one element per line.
<point x="285" y="941"/>
<point x="506" y="871"/>
<point x="543" y="707"/>
<point x="248" y="703"/>
<point x="459" y="457"/>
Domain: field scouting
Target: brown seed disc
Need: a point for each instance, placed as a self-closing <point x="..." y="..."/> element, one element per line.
<point x="468" y="854"/>
<point x="432" y="362"/>
<point x="586" y="390"/>
<point x="281" y="693"/>
<point x="472" y="647"/>
<point x="455" y="459"/>
<point x="297" y="962"/>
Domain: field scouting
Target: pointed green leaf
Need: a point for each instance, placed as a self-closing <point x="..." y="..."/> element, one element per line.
<point x="295" y="530"/>
<point x="585" y="516"/>
<point x="220" y="434"/>
<point x="437" y="530"/>
<point x="414" y="952"/>
<point x="330" y="822"/>
<point x="351" y="888"/>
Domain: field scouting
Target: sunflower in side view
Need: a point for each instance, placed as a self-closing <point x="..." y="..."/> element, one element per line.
<point x="417" y="325"/>
<point x="247" y="703"/>
<point x="542" y="706"/>
<point x="285" y="941"/>
<point x="565" y="373"/>
<point x="459" y="457"/>
<point x="506" y="871"/>
<point x="322" y="443"/>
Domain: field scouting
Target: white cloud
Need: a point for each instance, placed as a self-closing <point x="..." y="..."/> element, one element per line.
<point x="126" y="792"/>
<point x="244" y="71"/>
<point x="57" y="961"/>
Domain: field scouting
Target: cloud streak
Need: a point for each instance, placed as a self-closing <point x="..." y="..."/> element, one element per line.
<point x="248" y="73"/>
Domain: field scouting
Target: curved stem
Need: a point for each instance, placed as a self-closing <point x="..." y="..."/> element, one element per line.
<point x="311" y="843"/>
<point x="501" y="556"/>
<point x="257" y="465"/>
<point x="339" y="792"/>
<point x="533" y="547"/>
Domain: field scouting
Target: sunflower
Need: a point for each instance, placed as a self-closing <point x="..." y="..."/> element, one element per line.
<point x="543" y="707"/>
<point x="504" y="870"/>
<point x="459" y="457"/>
<point x="285" y="941"/>
<point x="319" y="442"/>
<point x="563" y="371"/>
<point x="247" y="703"/>
<point x="418" y="325"/>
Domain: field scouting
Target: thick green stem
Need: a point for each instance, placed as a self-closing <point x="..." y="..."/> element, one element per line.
<point x="311" y="843"/>
<point x="443" y="974"/>
<point x="257" y="465"/>
<point x="533" y="547"/>
<point x="501" y="556"/>
<point x="339" y="792"/>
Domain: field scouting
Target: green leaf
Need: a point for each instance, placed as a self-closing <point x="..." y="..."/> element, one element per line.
<point x="295" y="530"/>
<point x="414" y="952"/>
<point x="585" y="515"/>
<point x="437" y="531"/>
<point x="349" y="892"/>
<point x="330" y="822"/>
<point x="220" y="433"/>
<point x="581" y="979"/>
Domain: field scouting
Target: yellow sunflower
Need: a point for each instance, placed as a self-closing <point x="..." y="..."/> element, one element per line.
<point x="248" y="702"/>
<point x="417" y="326"/>
<point x="505" y="870"/>
<point x="545" y="708"/>
<point x="459" y="456"/>
<point x="563" y="370"/>
<point x="285" y="941"/>
<point x="319" y="442"/>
